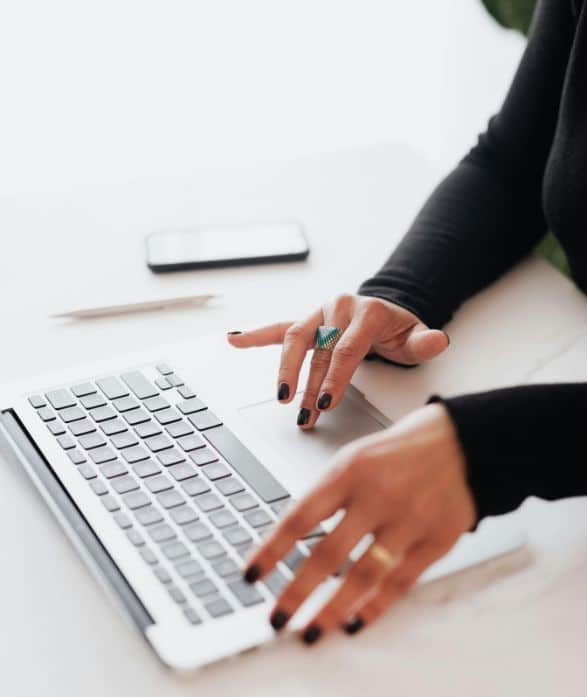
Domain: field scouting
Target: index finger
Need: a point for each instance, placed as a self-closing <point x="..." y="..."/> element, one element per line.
<point x="263" y="336"/>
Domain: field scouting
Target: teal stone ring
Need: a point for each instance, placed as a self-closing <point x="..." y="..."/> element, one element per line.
<point x="327" y="337"/>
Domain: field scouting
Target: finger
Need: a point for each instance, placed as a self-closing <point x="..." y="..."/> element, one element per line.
<point x="395" y="586"/>
<point x="421" y="344"/>
<point x="308" y="414"/>
<point x="324" y="501"/>
<point x="363" y="578"/>
<point x="353" y="346"/>
<point x="298" y="338"/>
<point x="325" y="559"/>
<point x="263" y="336"/>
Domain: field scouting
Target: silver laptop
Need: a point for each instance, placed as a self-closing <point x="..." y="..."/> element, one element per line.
<point x="165" y="468"/>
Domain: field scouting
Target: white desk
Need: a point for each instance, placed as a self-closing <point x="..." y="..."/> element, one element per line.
<point x="512" y="627"/>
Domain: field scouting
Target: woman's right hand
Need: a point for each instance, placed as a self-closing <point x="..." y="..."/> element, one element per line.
<point x="369" y="325"/>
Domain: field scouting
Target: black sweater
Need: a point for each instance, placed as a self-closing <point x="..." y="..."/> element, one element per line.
<point x="527" y="174"/>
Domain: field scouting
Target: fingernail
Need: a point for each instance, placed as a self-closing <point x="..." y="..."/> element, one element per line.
<point x="447" y="338"/>
<point x="252" y="573"/>
<point x="324" y="401"/>
<point x="312" y="634"/>
<point x="354" y="625"/>
<point x="283" y="391"/>
<point x="279" y="619"/>
<point x="233" y="333"/>
<point x="303" y="417"/>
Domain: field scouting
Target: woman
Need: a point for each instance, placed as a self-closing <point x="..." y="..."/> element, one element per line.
<point x="420" y="484"/>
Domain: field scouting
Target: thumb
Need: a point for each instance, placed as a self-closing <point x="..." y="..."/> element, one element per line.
<point x="422" y="344"/>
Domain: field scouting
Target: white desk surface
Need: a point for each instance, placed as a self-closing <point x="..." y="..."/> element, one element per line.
<point x="511" y="627"/>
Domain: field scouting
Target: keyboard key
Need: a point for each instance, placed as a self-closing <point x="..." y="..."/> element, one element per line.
<point x="80" y="428"/>
<point x="110" y="503"/>
<point x="216" y="471"/>
<point x="258" y="518"/>
<point x="167" y="416"/>
<point x="189" y="443"/>
<point x="66" y="442"/>
<point x="162" y="574"/>
<point x="222" y="518"/>
<point x="197" y="532"/>
<point x="93" y="401"/>
<point x="191" y="616"/>
<point x="177" y="595"/>
<point x="139" y="385"/>
<point x="244" y="551"/>
<point x="204" y="420"/>
<point x="136" y="499"/>
<point x="110" y="428"/>
<point x="36" y="401"/>
<point x="211" y="549"/>
<point x="243" y="502"/>
<point x="99" y="487"/>
<point x="76" y="456"/>
<point x="186" y="392"/>
<point x="148" y="515"/>
<point x="113" y="469"/>
<point x="87" y="472"/>
<point x="237" y="536"/>
<point x="226" y="567"/>
<point x="294" y="558"/>
<point x="276" y="582"/>
<point x="183" y="515"/>
<point x="148" y="429"/>
<point x="175" y="550"/>
<point x="123" y="521"/>
<point x="203" y="588"/>
<point x="189" y="568"/>
<point x="204" y="456"/>
<point x="60" y="399"/>
<point x="218" y="607"/>
<point x="175" y="380"/>
<point x="146" y="468"/>
<point x="122" y="485"/>
<point x="148" y="555"/>
<point x="102" y="414"/>
<point x="157" y="484"/>
<point x="208" y="502"/>
<point x="124" y="440"/>
<point x="135" y="537"/>
<point x="135" y="454"/>
<point x="246" y="464"/>
<point x="112" y="387"/>
<point x="179" y="429"/>
<point x="125" y="404"/>
<point x="318" y="531"/>
<point x="164" y="369"/>
<point x="195" y="487"/>
<point x="158" y="443"/>
<point x="163" y="383"/>
<point x="162" y="533"/>
<point x="72" y="414"/>
<point x="91" y="440"/>
<point x="100" y="455"/>
<point x="136" y="416"/>
<point x="156" y="403"/>
<point x="182" y="471"/>
<point x="245" y="593"/>
<point x="280" y="507"/>
<point x="170" y="499"/>
<point x="84" y="389"/>
<point x="46" y="414"/>
<point x="191" y="406"/>
<point x="56" y="428"/>
<point x="170" y="457"/>
<point x="229" y="486"/>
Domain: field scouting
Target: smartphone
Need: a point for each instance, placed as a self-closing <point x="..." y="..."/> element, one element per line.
<point x="209" y="246"/>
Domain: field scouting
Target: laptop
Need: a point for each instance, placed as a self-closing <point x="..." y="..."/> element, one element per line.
<point x="166" y="467"/>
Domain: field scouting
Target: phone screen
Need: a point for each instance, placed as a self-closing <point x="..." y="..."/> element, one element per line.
<point x="215" y="245"/>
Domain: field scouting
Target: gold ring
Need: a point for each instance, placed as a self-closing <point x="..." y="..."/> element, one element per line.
<point x="383" y="556"/>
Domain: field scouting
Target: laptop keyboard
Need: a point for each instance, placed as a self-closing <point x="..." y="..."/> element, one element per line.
<point x="188" y="495"/>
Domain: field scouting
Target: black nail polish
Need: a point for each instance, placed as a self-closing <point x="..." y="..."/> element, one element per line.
<point x="354" y="625"/>
<point x="303" y="417"/>
<point x="312" y="634"/>
<point x="283" y="391"/>
<point x="279" y="619"/>
<point x="324" y="401"/>
<point x="252" y="573"/>
<point x="233" y="333"/>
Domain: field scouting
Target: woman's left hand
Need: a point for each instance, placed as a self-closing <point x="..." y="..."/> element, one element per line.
<point x="406" y="486"/>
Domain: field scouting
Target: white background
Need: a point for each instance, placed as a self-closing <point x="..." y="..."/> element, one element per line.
<point x="118" y="89"/>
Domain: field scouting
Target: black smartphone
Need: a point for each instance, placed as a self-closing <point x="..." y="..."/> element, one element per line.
<point x="225" y="245"/>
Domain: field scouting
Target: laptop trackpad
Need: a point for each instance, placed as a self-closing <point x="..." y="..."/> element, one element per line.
<point x="311" y="451"/>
